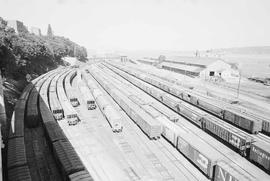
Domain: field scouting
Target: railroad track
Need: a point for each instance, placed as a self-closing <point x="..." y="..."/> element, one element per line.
<point x="37" y="149"/>
<point x="57" y="133"/>
<point x="260" y="146"/>
<point x="132" y="81"/>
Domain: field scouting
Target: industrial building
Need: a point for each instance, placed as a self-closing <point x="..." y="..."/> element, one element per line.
<point x="18" y="26"/>
<point x="123" y="58"/>
<point x="148" y="61"/>
<point x="203" y="67"/>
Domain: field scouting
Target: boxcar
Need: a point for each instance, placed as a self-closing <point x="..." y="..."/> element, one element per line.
<point x="192" y="113"/>
<point x="210" y="106"/>
<point x="114" y="118"/>
<point x="16" y="153"/>
<point x="170" y="101"/>
<point x="21" y="173"/>
<point x="80" y="176"/>
<point x="67" y="158"/>
<point x="231" y="135"/>
<point x="32" y="113"/>
<point x="243" y="121"/>
<point x="17" y="121"/>
<point x="260" y="154"/>
<point x="230" y="172"/>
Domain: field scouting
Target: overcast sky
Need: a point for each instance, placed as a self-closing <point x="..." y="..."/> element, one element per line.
<point x="148" y="24"/>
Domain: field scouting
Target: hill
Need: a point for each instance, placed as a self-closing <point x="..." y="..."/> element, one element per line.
<point x="243" y="50"/>
<point x="26" y="53"/>
<point x="24" y="56"/>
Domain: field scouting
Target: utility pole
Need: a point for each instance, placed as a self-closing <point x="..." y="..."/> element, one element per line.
<point x="238" y="89"/>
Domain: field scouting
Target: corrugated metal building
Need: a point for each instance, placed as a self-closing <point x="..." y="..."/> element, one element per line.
<point x="192" y="71"/>
<point x="203" y="67"/>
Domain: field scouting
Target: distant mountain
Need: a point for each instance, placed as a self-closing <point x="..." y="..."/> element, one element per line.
<point x="243" y="50"/>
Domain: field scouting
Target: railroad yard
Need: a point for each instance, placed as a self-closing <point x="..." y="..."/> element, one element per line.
<point x="113" y="121"/>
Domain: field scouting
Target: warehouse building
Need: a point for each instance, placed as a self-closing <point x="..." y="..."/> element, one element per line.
<point x="148" y="61"/>
<point x="191" y="71"/>
<point x="202" y="67"/>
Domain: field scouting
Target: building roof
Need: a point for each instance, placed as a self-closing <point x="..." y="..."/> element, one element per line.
<point x="196" y="61"/>
<point x="182" y="67"/>
<point x="147" y="60"/>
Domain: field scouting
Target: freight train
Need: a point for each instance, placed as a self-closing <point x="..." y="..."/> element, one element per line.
<point x="240" y="140"/>
<point x="209" y="161"/>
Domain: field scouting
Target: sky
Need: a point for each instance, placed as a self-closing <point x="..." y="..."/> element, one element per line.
<point x="148" y="24"/>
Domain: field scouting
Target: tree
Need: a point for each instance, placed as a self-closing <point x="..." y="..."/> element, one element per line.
<point x="49" y="31"/>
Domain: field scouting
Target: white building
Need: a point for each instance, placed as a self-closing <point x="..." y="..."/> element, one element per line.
<point x="202" y="67"/>
<point x="219" y="69"/>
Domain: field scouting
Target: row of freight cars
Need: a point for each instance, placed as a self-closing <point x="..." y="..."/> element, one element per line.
<point x="231" y="113"/>
<point x="86" y="93"/>
<point x="70" y="165"/>
<point x="149" y="126"/>
<point x="70" y="91"/>
<point x="211" y="162"/>
<point x="70" y="113"/>
<point x="17" y="164"/>
<point x="233" y="136"/>
<point x="111" y="114"/>
<point x="254" y="149"/>
<point x="18" y="168"/>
